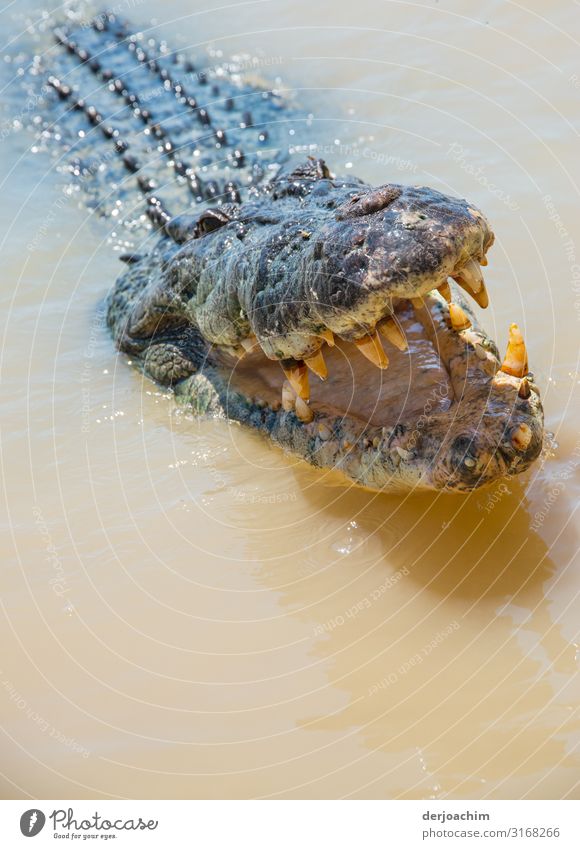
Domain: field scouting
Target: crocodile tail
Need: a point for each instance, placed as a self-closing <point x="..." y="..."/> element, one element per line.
<point x="155" y="133"/>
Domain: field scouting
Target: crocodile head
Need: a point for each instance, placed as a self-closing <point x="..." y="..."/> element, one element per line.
<point x="320" y="312"/>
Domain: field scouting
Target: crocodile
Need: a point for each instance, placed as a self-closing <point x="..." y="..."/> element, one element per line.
<point x="335" y="317"/>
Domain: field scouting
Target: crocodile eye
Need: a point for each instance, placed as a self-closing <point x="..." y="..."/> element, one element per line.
<point x="366" y="204"/>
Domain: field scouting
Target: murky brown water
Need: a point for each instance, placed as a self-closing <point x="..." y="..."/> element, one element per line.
<point x="185" y="612"/>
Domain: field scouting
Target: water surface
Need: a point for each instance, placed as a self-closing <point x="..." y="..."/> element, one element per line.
<point x="185" y="611"/>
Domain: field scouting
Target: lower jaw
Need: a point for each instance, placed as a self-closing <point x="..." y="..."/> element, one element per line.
<point x="400" y="428"/>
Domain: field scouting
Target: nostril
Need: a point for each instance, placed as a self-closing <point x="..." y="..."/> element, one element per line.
<point x="463" y="453"/>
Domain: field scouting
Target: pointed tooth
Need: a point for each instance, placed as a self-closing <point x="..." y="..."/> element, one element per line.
<point x="236" y="351"/>
<point x="482" y="298"/>
<point x="391" y="331"/>
<point x="524" y="391"/>
<point x="516" y="358"/>
<point x="316" y="364"/>
<point x="483" y="260"/>
<point x="249" y="344"/>
<point x="328" y="335"/>
<point x="480" y="351"/>
<point x="288" y="396"/>
<point x="471" y="276"/>
<point x="418" y="303"/>
<point x="445" y="290"/>
<point x="459" y="321"/>
<point x="370" y="346"/>
<point x="298" y="377"/>
<point x="521" y="437"/>
<point x="303" y="411"/>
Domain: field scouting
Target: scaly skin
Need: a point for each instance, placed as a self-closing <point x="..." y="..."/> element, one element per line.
<point x="284" y="262"/>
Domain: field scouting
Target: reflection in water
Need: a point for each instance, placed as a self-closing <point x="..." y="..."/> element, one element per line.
<point x="450" y="667"/>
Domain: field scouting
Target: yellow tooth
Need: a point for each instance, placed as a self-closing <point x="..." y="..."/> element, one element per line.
<point x="516" y="357"/>
<point x="303" y="411"/>
<point x="288" y="396"/>
<point x="417" y="303"/>
<point x="524" y="391"/>
<point x="483" y="260"/>
<point x="459" y="320"/>
<point x="235" y="352"/>
<point x="328" y="335"/>
<point x="521" y="437"/>
<point x="471" y="275"/>
<point x="370" y="346"/>
<point x="445" y="290"/>
<point x="316" y="364"/>
<point x="298" y="377"/>
<point x="478" y="294"/>
<point x="249" y="344"/>
<point x="391" y="331"/>
<point x="481" y="297"/>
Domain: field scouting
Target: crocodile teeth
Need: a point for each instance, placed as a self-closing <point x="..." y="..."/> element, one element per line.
<point x="391" y="331"/>
<point x="483" y="260"/>
<point x="524" y="391"/>
<point x="370" y="346"/>
<point x="236" y="352"/>
<point x="316" y="364"/>
<point x="459" y="320"/>
<point x="298" y="377"/>
<point x="516" y="357"/>
<point x="521" y="437"/>
<point x="445" y="291"/>
<point x="288" y="396"/>
<point x="328" y="335"/>
<point x="480" y="351"/>
<point x="470" y="276"/>
<point x="303" y="411"/>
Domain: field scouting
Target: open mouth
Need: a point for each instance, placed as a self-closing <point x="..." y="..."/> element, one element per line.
<point x="314" y="308"/>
